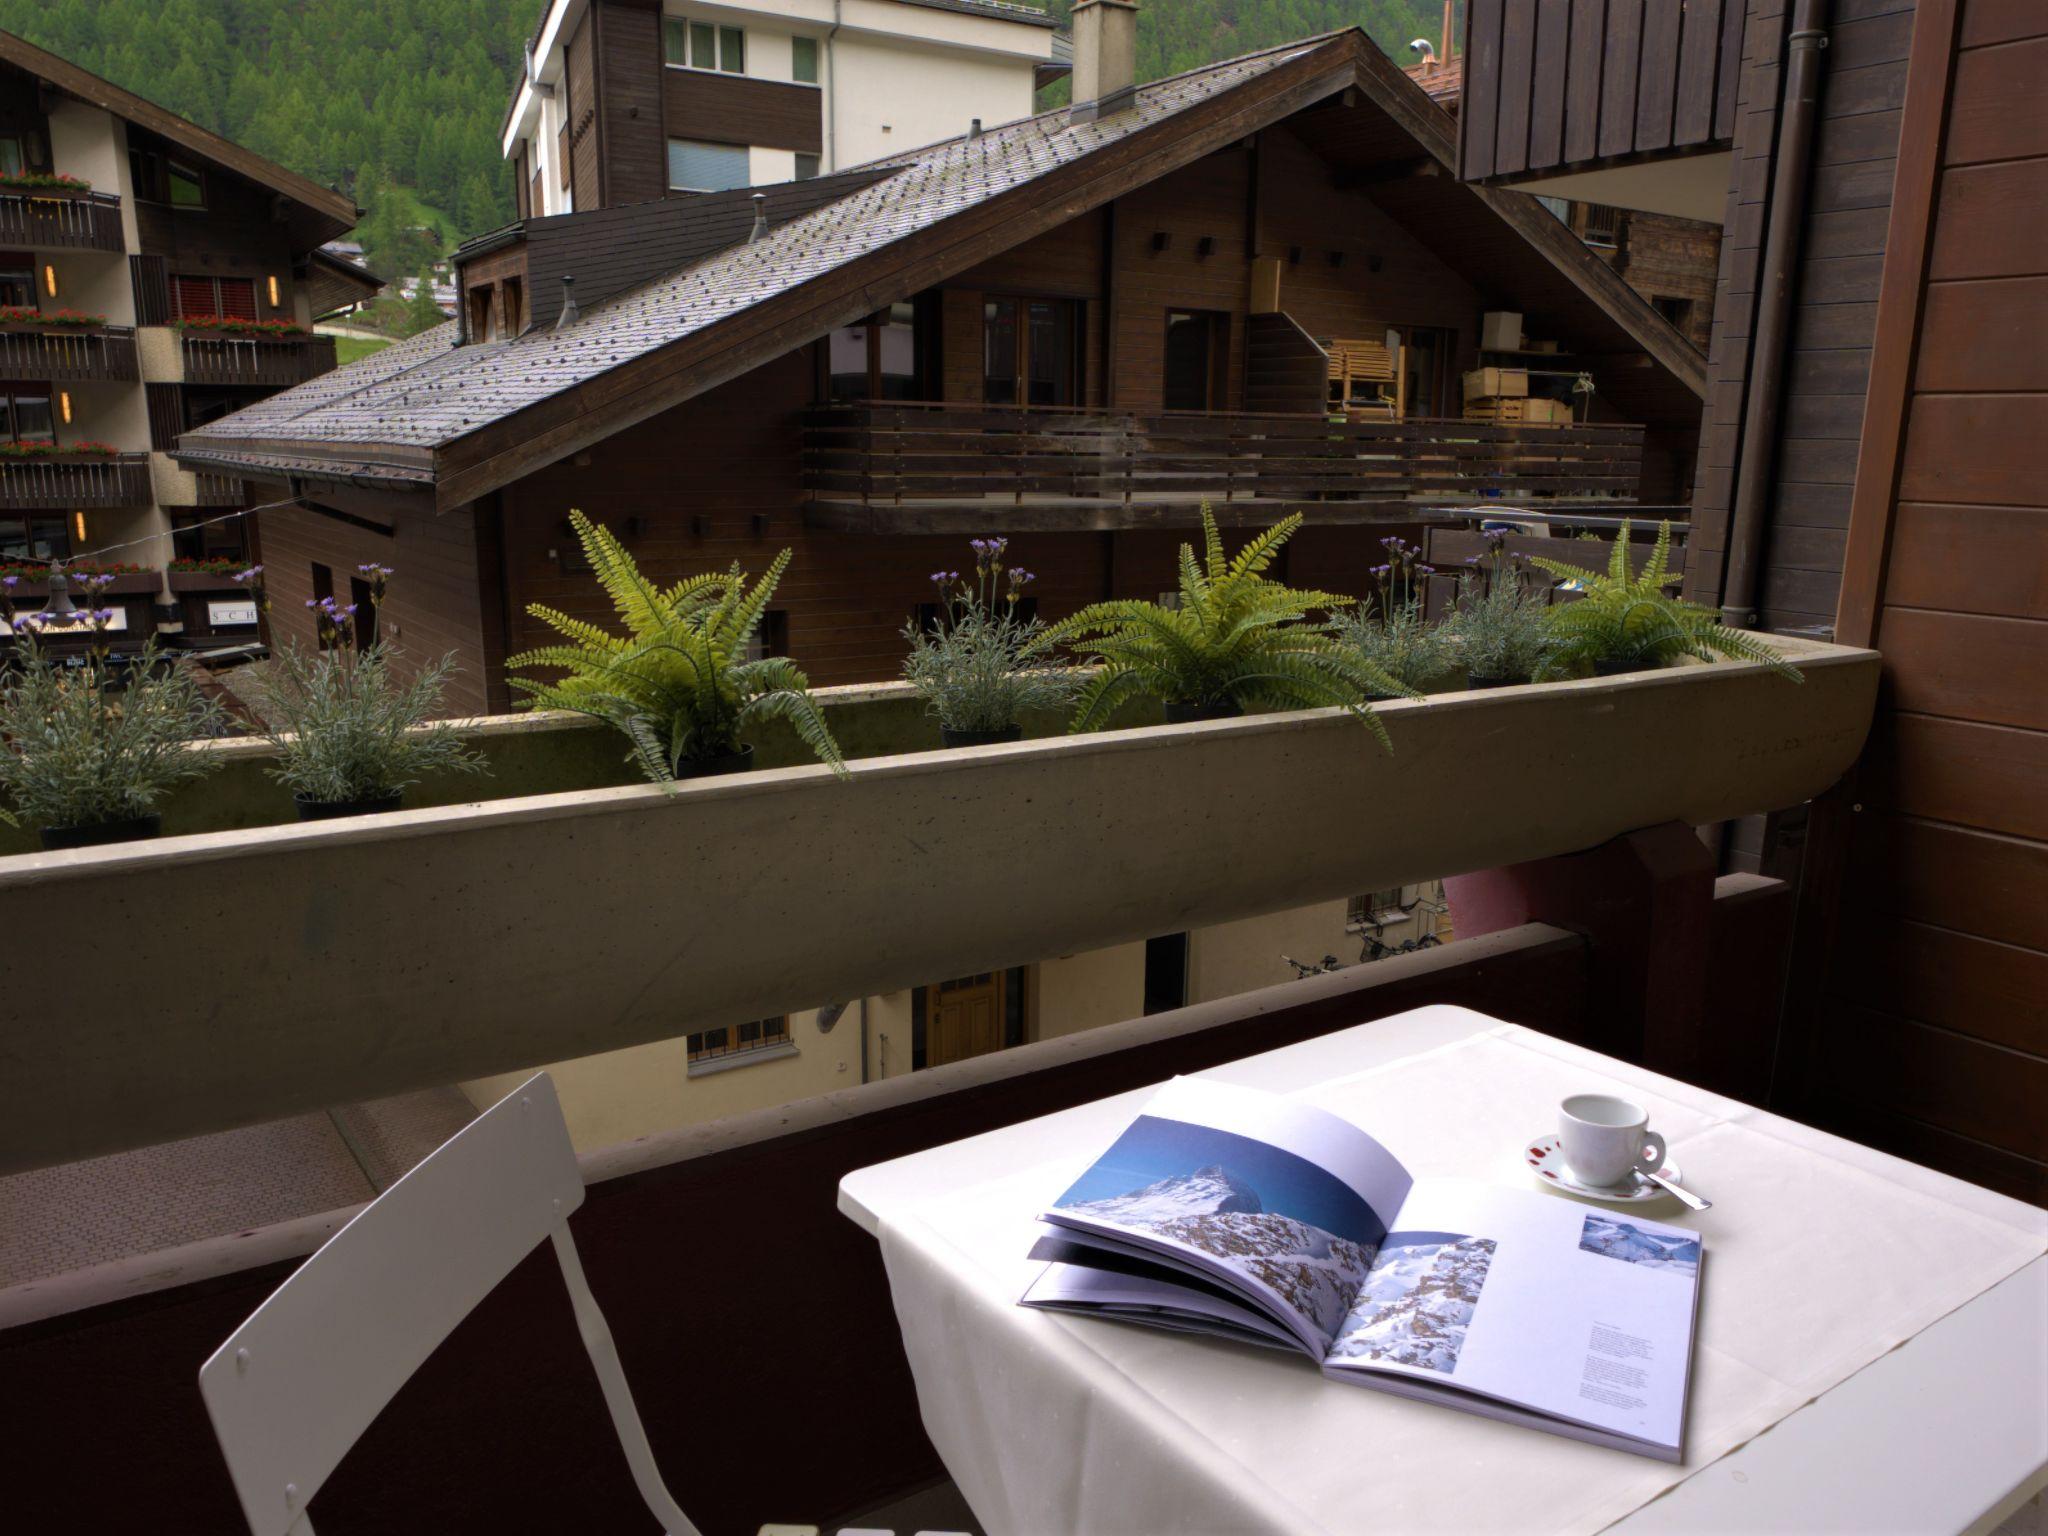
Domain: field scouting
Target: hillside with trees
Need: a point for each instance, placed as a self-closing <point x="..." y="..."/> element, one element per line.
<point x="399" y="102"/>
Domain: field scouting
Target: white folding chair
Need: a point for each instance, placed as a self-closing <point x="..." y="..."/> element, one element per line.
<point x="299" y="1382"/>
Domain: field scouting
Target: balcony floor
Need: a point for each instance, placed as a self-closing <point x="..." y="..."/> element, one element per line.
<point x="77" y="1215"/>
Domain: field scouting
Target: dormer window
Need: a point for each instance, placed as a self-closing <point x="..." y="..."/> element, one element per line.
<point x="687" y="44"/>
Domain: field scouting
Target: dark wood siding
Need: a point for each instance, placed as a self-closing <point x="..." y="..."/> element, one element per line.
<point x="234" y="235"/>
<point x="1828" y="357"/>
<point x="1932" y="1033"/>
<point x="732" y="109"/>
<point x="579" y="81"/>
<point x="629" y="97"/>
<point x="1559" y="84"/>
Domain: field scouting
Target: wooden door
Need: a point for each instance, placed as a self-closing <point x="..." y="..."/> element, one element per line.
<point x="963" y="1018"/>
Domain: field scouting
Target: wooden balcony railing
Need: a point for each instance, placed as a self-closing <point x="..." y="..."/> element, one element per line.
<point x="61" y="354"/>
<point x="33" y="485"/>
<point x="931" y="464"/>
<point x="91" y="221"/>
<point x="212" y="490"/>
<point x="255" y="360"/>
<point x="1549" y="86"/>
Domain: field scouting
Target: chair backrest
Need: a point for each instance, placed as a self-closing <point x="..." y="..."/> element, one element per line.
<point x="297" y="1384"/>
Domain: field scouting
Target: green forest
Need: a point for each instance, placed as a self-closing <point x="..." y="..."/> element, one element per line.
<point x="399" y="102"/>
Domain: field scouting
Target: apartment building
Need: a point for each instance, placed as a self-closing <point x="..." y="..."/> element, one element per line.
<point x="623" y="101"/>
<point x="153" y="277"/>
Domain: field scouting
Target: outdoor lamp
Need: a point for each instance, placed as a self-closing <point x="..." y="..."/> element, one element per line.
<point x="50" y="278"/>
<point x="60" y="605"/>
<point x="64" y="405"/>
<point x="271" y="281"/>
<point x="78" y="523"/>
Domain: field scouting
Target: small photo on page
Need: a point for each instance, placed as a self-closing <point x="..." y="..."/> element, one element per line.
<point x="1613" y="1238"/>
<point x="1255" y="1210"/>
<point x="1417" y="1301"/>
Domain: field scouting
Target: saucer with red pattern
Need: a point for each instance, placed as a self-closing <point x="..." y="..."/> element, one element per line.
<point x="1545" y="1157"/>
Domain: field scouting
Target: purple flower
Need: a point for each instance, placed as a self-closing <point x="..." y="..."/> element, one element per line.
<point x="10" y="582"/>
<point x="314" y="602"/>
<point x="245" y="577"/>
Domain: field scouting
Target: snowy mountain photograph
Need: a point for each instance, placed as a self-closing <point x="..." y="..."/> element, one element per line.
<point x="1258" y="1211"/>
<point x="1417" y="1301"/>
<point x="1615" y="1239"/>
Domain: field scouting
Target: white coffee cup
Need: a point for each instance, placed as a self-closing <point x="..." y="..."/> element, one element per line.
<point x="1606" y="1138"/>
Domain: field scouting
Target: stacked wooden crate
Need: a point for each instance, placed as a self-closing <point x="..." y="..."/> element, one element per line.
<point x="1502" y="395"/>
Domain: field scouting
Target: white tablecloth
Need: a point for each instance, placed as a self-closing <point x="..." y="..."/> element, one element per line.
<point x="1819" y="1260"/>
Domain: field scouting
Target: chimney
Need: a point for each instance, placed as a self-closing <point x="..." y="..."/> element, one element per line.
<point x="760" y="229"/>
<point x="1449" y="51"/>
<point x="1105" y="59"/>
<point x="570" y="313"/>
<point x="974" y="128"/>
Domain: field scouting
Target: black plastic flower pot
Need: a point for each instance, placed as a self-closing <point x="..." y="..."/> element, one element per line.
<point x="99" y="833"/>
<point x="711" y="767"/>
<point x="329" y="810"/>
<point x="952" y="738"/>
<point x="1179" y="713"/>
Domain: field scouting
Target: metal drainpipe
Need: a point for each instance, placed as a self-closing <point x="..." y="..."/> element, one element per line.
<point x="1790" y="181"/>
<point x="832" y="91"/>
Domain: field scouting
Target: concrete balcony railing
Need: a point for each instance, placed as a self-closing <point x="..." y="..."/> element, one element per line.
<point x="63" y="354"/>
<point x="55" y="220"/>
<point x="341" y="961"/>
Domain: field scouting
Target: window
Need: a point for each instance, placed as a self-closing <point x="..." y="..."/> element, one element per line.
<point x="25" y="414"/>
<point x="366" y="613"/>
<point x="186" y="186"/>
<point x="13" y="161"/>
<point x="514" y="290"/>
<point x="1030" y="351"/>
<point x="883" y="358"/>
<point x="1166" y="973"/>
<point x="689" y="44"/>
<point x="40" y="538"/>
<point x="806" y="167"/>
<point x="482" y="311"/>
<point x="194" y="536"/>
<point x="1677" y="311"/>
<point x="18" y="279"/>
<point x="772" y="638"/>
<point x="803" y="61"/>
<point x="1425" y="353"/>
<point x="738" y="1039"/>
<point x="231" y="298"/>
<point x="1197" y="357"/>
<point x="698" y="167"/>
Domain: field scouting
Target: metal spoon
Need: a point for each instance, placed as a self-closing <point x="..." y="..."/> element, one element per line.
<point x="1697" y="1202"/>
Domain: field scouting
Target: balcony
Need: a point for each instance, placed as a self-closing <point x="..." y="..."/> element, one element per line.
<point x="55" y="220"/>
<point x="577" y="913"/>
<point x="77" y="483"/>
<point x="934" y="468"/>
<point x="273" y="362"/>
<point x="67" y="354"/>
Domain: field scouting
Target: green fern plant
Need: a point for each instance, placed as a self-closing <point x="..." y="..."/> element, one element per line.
<point x="1630" y="619"/>
<point x="1236" y="640"/>
<point x="677" y="683"/>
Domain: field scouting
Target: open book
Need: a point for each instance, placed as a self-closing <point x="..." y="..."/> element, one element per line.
<point x="1237" y="1213"/>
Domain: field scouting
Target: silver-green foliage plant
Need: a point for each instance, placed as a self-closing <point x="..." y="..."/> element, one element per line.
<point x="1390" y="630"/>
<point x="346" y="726"/>
<point x="1499" y="623"/>
<point x="91" y="742"/>
<point x="977" y="666"/>
<point x="677" y="683"/>
<point x="1628" y="618"/>
<point x="1235" y="639"/>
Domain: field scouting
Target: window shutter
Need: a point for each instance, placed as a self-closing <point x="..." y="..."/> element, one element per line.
<point x="238" y="298"/>
<point x="194" y="296"/>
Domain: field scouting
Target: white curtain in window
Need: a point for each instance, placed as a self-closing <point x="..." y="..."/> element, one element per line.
<point x="697" y="167"/>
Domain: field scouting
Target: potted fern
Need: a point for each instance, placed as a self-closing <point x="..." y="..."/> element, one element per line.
<point x="88" y="749"/>
<point x="1498" y="623"/>
<point x="350" y="733"/>
<point x="978" y="667"/>
<point x="1623" y="622"/>
<point x="1390" y="630"/>
<point x="1234" y="641"/>
<point x="678" y="684"/>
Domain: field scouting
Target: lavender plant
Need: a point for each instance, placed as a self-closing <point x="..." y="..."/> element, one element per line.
<point x="347" y="728"/>
<point x="1499" y="621"/>
<point x="85" y="742"/>
<point x="1389" y="629"/>
<point x="978" y="666"/>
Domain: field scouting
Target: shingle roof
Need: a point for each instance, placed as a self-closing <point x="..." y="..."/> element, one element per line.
<point x="428" y="392"/>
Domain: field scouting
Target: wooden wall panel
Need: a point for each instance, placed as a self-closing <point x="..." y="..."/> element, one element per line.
<point x="735" y="109"/>
<point x="579" y="77"/>
<point x="1932" y="1038"/>
<point x="629" y="96"/>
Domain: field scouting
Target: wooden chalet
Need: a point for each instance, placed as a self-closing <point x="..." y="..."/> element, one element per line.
<point x="1071" y="331"/>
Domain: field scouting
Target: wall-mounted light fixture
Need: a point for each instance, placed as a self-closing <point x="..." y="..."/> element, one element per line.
<point x="1161" y="241"/>
<point x="1336" y="258"/>
<point x="271" y="281"/>
<point x="1206" y="246"/>
<point x="64" y="405"/>
<point x="50" y="279"/>
<point x="78" y="525"/>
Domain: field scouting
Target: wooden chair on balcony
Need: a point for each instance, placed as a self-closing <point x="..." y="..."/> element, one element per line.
<point x="1368" y="379"/>
<point x="298" y="1383"/>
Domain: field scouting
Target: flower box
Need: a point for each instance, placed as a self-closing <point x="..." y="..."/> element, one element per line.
<point x="241" y="330"/>
<point x="203" y="581"/>
<point x="40" y="185"/>
<point x="760" y="893"/>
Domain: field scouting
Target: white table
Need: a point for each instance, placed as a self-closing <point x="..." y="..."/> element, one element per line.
<point x="1948" y="1432"/>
